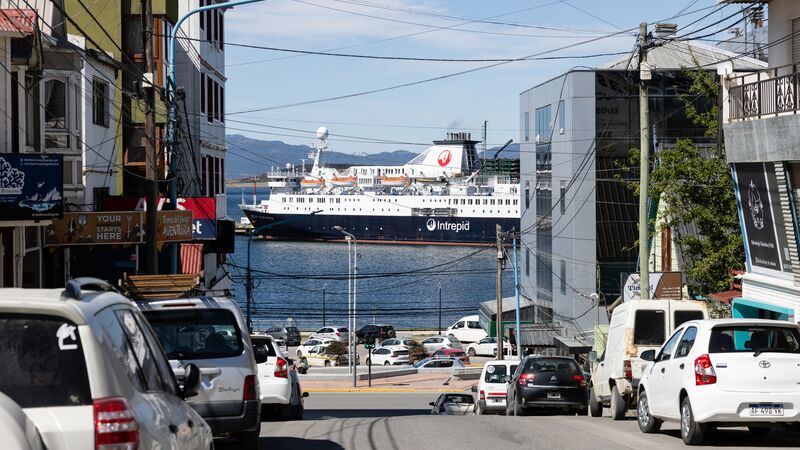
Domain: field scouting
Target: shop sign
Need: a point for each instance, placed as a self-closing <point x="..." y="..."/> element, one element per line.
<point x="31" y="186"/>
<point x="663" y="285"/>
<point x="174" y="226"/>
<point x="94" y="228"/>
<point x="204" y="211"/>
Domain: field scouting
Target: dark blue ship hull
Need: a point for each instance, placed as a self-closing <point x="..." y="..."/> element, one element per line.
<point x="388" y="229"/>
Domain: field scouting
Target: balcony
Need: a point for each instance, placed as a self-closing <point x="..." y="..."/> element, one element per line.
<point x="759" y="95"/>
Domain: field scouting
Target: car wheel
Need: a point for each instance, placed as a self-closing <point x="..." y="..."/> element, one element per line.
<point x="509" y="410"/>
<point x="618" y="404"/>
<point x="327" y="363"/>
<point x="386" y="363"/>
<point x="471" y="352"/>
<point x="647" y="423"/>
<point x="249" y="439"/>
<point x="299" y="354"/>
<point x="758" y="431"/>
<point x="595" y="407"/>
<point x="518" y="409"/>
<point x="691" y="431"/>
<point x="479" y="411"/>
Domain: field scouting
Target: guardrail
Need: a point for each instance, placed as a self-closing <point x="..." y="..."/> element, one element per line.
<point x="768" y="93"/>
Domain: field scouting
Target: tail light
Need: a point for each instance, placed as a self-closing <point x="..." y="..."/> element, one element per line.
<point x="525" y="378"/>
<point x="250" y="392"/>
<point x="580" y="378"/>
<point x="704" y="371"/>
<point x="115" y="426"/>
<point x="338" y="334"/>
<point x="627" y="372"/>
<point x="281" y="369"/>
<point x="482" y="395"/>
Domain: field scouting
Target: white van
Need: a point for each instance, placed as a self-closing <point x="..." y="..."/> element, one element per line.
<point x="636" y="326"/>
<point x="467" y="329"/>
<point x="211" y="333"/>
<point x="492" y="386"/>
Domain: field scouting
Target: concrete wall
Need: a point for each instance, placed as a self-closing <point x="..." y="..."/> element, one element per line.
<point x="781" y="13"/>
<point x="100" y="146"/>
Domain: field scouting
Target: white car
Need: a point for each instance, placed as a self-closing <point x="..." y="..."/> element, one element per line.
<point x="332" y="333"/>
<point x="724" y="372"/>
<point x="487" y="347"/>
<point x="438" y="363"/>
<point x="396" y="343"/>
<point x="467" y="329"/>
<point x="303" y="349"/>
<point x="281" y="393"/>
<point x="434" y="343"/>
<point x="282" y="345"/>
<point x="386" y="356"/>
<point x="492" y="386"/>
<point x="16" y="428"/>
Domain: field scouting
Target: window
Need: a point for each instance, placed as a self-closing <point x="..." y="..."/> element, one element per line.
<point x="563" y="277"/>
<point x="40" y="367"/>
<point x="666" y="351"/>
<point x="141" y="350"/>
<point x="202" y="93"/>
<point x="210" y="98"/>
<point x="543" y="124"/>
<point x="562" y="196"/>
<point x="686" y="343"/>
<point x="527" y="194"/>
<point x="796" y="41"/>
<point x="527" y="262"/>
<point x="648" y="328"/>
<point x="744" y="338"/>
<point x="527" y="126"/>
<point x="561" y="117"/>
<point x="216" y="25"/>
<point x="209" y="31"/>
<point x="474" y="324"/>
<point x="684" y="316"/>
<point x="202" y="16"/>
<point x="221" y="104"/>
<point x="216" y="100"/>
<point x="115" y="337"/>
<point x="221" y="30"/>
<point x="100" y="102"/>
<point x="55" y="114"/>
<point x="194" y="334"/>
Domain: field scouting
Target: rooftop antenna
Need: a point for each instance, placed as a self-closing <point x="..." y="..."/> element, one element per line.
<point x="484" y="138"/>
<point x="319" y="146"/>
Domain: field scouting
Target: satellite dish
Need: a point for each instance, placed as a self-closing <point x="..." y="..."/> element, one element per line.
<point x="288" y="166"/>
<point x="322" y="133"/>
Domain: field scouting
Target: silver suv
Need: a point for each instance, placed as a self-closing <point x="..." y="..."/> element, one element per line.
<point x="85" y="367"/>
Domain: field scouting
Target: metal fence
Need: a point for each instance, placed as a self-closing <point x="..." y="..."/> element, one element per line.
<point x="768" y="93"/>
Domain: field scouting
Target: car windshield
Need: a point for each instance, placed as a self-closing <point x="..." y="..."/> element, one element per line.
<point x="495" y="373"/>
<point x="42" y="361"/>
<point x="560" y="370"/>
<point x="648" y="328"/>
<point x="263" y="343"/>
<point x="758" y="339"/>
<point x="459" y="398"/>
<point x="291" y="330"/>
<point x="419" y="364"/>
<point x="197" y="333"/>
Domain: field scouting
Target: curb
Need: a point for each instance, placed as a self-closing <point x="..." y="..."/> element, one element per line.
<point x="378" y="390"/>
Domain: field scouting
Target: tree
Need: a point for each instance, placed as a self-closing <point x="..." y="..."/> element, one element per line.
<point x="695" y="188"/>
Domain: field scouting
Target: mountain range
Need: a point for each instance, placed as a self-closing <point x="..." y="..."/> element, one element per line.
<point x="248" y="157"/>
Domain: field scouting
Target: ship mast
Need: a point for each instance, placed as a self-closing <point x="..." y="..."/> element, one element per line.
<point x="317" y="149"/>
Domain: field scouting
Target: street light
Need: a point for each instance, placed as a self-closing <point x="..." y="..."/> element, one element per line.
<point x="249" y="274"/>
<point x="351" y="288"/>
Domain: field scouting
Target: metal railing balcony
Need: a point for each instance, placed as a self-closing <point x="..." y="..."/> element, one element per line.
<point x="768" y="93"/>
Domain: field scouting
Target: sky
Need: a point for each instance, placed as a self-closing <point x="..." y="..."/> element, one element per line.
<point x="263" y="85"/>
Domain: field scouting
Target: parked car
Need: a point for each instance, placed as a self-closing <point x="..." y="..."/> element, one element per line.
<point x="281" y="393"/>
<point x="397" y="343"/>
<point x="547" y="382"/>
<point x="492" y="386"/>
<point x="438" y="363"/>
<point x="211" y="333"/>
<point x="634" y="328"/>
<point x="467" y="329"/>
<point x="385" y="356"/>
<point x="309" y="344"/>
<point x="434" y="343"/>
<point x="333" y="333"/>
<point x="320" y="356"/>
<point x="488" y="347"/>
<point x="16" y="428"/>
<point x="375" y="332"/>
<point x="452" y="353"/>
<point x="85" y="367"/>
<point x="290" y="335"/>
<point x="724" y="372"/>
<point x="282" y="346"/>
<point x="453" y="405"/>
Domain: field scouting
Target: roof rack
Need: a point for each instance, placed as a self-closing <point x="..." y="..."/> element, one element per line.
<point x="73" y="289"/>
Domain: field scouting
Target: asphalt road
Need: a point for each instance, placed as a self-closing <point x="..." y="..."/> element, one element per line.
<point x="401" y="421"/>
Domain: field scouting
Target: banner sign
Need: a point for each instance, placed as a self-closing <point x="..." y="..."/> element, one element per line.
<point x="94" y="228"/>
<point x="663" y="285"/>
<point x="204" y="212"/>
<point x="763" y="228"/>
<point x="174" y="226"/>
<point x="31" y="186"/>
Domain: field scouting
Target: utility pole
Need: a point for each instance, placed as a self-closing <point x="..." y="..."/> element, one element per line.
<point x="151" y="152"/>
<point x="644" y="168"/>
<point x="484" y="138"/>
<point x="499" y="315"/>
<point x="440" y="309"/>
<point x="323" y="305"/>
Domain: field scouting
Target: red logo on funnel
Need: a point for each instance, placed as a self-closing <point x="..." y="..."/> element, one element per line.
<point x="445" y="157"/>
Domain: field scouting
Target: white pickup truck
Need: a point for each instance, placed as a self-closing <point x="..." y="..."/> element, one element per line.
<point x="636" y="326"/>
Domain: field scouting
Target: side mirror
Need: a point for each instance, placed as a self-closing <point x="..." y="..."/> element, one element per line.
<point x="261" y="355"/>
<point x="507" y="378"/>
<point x="474" y="388"/>
<point x="431" y="403"/>
<point x="191" y="381"/>
<point x="648" y="355"/>
<point x="592" y="356"/>
<point x="305" y="395"/>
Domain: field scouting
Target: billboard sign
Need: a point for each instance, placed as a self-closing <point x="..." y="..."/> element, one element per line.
<point x="31" y="186"/>
<point x="174" y="226"/>
<point x="204" y="212"/>
<point x="663" y="285"/>
<point x="94" y="228"/>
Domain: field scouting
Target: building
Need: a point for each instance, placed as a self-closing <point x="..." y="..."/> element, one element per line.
<point x="580" y="219"/>
<point x="762" y="144"/>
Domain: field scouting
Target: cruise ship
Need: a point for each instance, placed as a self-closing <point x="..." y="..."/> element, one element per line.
<point x="445" y="195"/>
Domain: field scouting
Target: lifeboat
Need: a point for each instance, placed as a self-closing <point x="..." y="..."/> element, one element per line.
<point x="343" y="181"/>
<point x="311" y="183"/>
<point x="394" y="181"/>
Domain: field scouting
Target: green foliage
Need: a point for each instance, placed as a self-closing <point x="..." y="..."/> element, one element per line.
<point x="703" y="86"/>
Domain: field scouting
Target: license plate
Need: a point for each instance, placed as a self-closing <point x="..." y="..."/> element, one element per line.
<point x="496" y="400"/>
<point x="555" y="395"/>
<point x="766" y="410"/>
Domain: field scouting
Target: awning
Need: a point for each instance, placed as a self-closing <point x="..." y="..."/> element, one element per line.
<point x="570" y="345"/>
<point x="150" y="287"/>
<point x="726" y="296"/>
<point x="191" y="258"/>
<point x="17" y="21"/>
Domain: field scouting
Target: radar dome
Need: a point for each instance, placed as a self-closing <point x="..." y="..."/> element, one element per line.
<point x="322" y="133"/>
